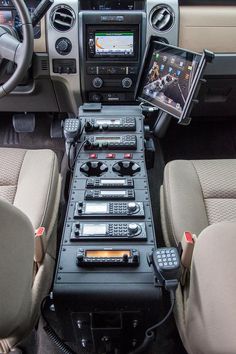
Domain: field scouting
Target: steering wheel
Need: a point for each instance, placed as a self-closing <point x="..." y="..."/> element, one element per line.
<point x="15" y="51"/>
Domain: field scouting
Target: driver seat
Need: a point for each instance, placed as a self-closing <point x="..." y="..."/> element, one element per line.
<point x="30" y="188"/>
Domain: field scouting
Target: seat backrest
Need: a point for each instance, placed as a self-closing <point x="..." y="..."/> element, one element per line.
<point x="16" y="268"/>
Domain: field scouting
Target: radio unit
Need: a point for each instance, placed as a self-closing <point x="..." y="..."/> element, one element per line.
<point x="107" y="257"/>
<point x="107" y="231"/>
<point x="110" y="124"/>
<point x="112" y="209"/>
<point x="109" y="182"/>
<point x="123" y="142"/>
<point x="106" y="41"/>
<point x="109" y="194"/>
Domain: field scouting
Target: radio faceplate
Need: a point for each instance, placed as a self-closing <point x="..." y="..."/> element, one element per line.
<point x="109" y="183"/>
<point x="107" y="257"/>
<point x="112" y="209"/>
<point x="94" y="194"/>
<point x="110" y="124"/>
<point x="112" y="231"/>
<point x="123" y="142"/>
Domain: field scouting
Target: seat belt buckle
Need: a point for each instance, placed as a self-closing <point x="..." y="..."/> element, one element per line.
<point x="187" y="243"/>
<point x="39" y="253"/>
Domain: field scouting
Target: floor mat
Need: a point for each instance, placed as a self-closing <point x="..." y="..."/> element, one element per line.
<point x="39" y="139"/>
<point x="200" y="140"/>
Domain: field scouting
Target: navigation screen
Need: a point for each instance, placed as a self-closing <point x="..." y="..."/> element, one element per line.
<point x="6" y="18"/>
<point x="168" y="77"/>
<point x="114" y="43"/>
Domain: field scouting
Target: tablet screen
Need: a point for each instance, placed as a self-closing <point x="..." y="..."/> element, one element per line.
<point x="167" y="77"/>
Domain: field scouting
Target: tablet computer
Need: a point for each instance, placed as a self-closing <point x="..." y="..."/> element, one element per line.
<point x="170" y="78"/>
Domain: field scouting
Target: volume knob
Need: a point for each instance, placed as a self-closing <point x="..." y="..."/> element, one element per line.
<point x="132" y="207"/>
<point x="126" y="83"/>
<point x="133" y="229"/>
<point x="97" y="82"/>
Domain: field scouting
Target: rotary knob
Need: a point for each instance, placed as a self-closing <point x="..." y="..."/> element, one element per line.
<point x="126" y="83"/>
<point x="63" y="46"/>
<point x="133" y="229"/>
<point x="132" y="207"/>
<point x="97" y="82"/>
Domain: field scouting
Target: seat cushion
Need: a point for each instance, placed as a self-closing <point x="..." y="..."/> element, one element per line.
<point x="196" y="194"/>
<point x="29" y="180"/>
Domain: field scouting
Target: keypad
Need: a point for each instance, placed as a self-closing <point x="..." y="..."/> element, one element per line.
<point x="71" y="125"/>
<point x="167" y="257"/>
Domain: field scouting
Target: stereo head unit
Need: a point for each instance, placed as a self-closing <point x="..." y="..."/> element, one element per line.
<point x="112" y="42"/>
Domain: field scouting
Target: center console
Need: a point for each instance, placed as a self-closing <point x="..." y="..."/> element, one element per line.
<point x="111" y="47"/>
<point x="104" y="290"/>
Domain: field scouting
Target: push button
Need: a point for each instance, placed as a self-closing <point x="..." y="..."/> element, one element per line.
<point x="92" y="156"/>
<point x="110" y="156"/>
<point x="128" y="156"/>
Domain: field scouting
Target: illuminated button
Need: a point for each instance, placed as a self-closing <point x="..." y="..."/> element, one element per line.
<point x="92" y="156"/>
<point x="111" y="156"/>
<point x="128" y="156"/>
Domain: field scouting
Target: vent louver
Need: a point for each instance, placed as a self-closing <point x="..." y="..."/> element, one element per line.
<point x="162" y="18"/>
<point x="62" y="18"/>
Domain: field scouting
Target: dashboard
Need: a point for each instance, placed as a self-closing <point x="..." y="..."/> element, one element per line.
<point x="92" y="50"/>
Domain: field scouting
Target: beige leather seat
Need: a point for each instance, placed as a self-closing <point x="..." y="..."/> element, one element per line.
<point x="29" y="199"/>
<point x="200" y="197"/>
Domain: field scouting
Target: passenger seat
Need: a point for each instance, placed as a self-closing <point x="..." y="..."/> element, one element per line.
<point x="200" y="197"/>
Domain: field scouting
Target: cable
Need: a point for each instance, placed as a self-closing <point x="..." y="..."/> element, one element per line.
<point x="52" y="334"/>
<point x="78" y="152"/>
<point x="149" y="334"/>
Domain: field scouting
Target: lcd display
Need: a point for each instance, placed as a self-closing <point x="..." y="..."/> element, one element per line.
<point x="93" y="229"/>
<point x="103" y="139"/>
<point x="108" y="121"/>
<point x="95" y="208"/>
<point x="107" y="254"/>
<point x="114" y="43"/>
<point x="113" y="192"/>
<point x="6" y="18"/>
<point x="168" y="76"/>
<point x="113" y="181"/>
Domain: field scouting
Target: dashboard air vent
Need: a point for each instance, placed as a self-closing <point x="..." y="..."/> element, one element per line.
<point x="62" y="18"/>
<point x="162" y="18"/>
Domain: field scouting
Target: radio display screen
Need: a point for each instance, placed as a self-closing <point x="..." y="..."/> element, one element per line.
<point x="107" y="254"/>
<point x="114" y="43"/>
<point x="103" y="139"/>
<point x="113" y="192"/>
<point x="113" y="181"/>
<point x="96" y="208"/>
<point x="108" y="121"/>
<point x="94" y="229"/>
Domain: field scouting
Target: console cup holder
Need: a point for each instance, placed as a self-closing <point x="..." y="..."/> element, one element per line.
<point x="126" y="168"/>
<point x="93" y="168"/>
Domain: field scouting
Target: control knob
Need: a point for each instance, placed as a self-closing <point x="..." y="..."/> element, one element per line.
<point x="97" y="82"/>
<point x="126" y="83"/>
<point x="63" y="46"/>
<point x="132" y="207"/>
<point x="133" y="229"/>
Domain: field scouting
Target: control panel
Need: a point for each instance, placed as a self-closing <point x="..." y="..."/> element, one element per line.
<point x="108" y="231"/>
<point x="111" y="53"/>
<point x="113" y="209"/>
<point x="111" y="142"/>
<point x="110" y="124"/>
<point x="107" y="235"/>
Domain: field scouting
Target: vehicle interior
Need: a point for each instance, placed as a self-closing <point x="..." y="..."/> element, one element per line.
<point x="117" y="200"/>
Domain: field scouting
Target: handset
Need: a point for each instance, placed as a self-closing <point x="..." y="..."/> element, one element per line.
<point x="166" y="264"/>
<point x="71" y="129"/>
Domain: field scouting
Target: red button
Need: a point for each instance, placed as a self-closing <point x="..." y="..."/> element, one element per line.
<point x="111" y="156"/>
<point x="188" y="237"/>
<point x="128" y="156"/>
<point x="92" y="156"/>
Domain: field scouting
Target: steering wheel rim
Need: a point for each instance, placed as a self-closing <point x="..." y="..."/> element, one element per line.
<point x="13" y="50"/>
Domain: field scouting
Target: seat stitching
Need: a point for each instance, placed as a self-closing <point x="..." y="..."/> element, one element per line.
<point x="49" y="190"/>
<point x="204" y="199"/>
<point x="17" y="181"/>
